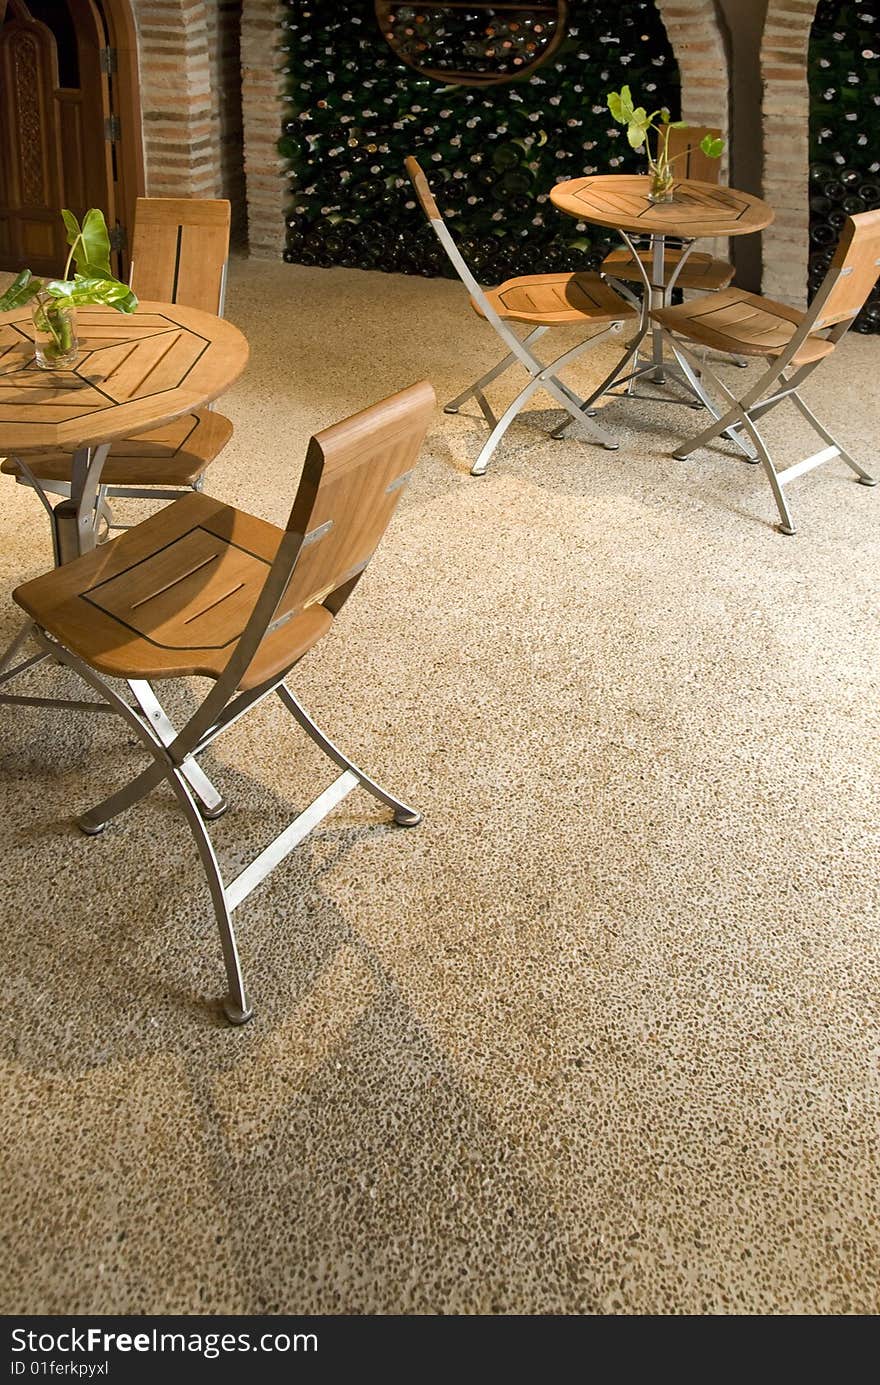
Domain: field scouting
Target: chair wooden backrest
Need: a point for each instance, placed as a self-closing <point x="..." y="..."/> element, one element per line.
<point x="444" y="235"/>
<point x="853" y="272"/>
<point x="422" y="188"/>
<point x="179" y="251"/>
<point x="354" y="475"/>
<point x="694" y="163"/>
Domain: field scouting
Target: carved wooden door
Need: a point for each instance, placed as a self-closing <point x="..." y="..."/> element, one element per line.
<point x="54" y="127"/>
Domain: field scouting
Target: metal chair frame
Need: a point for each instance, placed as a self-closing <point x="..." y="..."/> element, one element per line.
<point x="774" y="386"/>
<point x="541" y="375"/>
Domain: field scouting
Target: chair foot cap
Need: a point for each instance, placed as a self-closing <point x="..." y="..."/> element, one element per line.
<point x="234" y="1014"/>
<point x="87" y="829"/>
<point x="867" y="480"/>
<point x="410" y="819"/>
<point x="478" y="471"/>
<point x="786" y="530"/>
<point x="681" y="456"/>
<point x="447" y="410"/>
<point x="212" y="814"/>
<point x="611" y="446"/>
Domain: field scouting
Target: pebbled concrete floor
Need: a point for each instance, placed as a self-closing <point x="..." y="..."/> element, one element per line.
<point x="602" y="1035"/>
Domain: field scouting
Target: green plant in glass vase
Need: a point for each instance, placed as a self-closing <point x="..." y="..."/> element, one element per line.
<point x="55" y="300"/>
<point x="639" y="124"/>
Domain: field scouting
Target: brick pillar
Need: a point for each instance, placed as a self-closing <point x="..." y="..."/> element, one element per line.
<point x="181" y="137"/>
<point x="697" y="41"/>
<point x="262" y="96"/>
<point x="784" y="69"/>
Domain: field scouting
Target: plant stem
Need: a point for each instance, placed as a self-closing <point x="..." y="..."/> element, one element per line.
<point x="71" y="256"/>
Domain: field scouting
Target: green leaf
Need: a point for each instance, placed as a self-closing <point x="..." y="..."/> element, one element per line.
<point x="712" y="147"/>
<point x="22" y="289"/>
<point x="615" y="106"/>
<point x="95" y="249"/>
<point x="636" y="134"/>
<point x="82" y="292"/>
<point x="626" y="101"/>
<point x="678" y="124"/>
<point x="71" y="225"/>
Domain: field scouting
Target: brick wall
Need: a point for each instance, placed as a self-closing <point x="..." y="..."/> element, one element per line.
<point x="181" y="140"/>
<point x="698" y="43"/>
<point x="262" y="94"/>
<point x="784" y="54"/>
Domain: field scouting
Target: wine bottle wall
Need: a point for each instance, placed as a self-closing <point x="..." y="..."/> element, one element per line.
<point x="492" y="153"/>
<point x="844" y="149"/>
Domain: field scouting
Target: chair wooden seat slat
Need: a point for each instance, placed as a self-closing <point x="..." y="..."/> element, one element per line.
<point x="743" y="324"/>
<point x="702" y="272"/>
<point x="174" y="455"/>
<point x="554" y="299"/>
<point x="204" y="589"/>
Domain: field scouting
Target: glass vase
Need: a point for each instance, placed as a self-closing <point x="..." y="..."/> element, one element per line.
<point x="56" y="346"/>
<point x="662" y="183"/>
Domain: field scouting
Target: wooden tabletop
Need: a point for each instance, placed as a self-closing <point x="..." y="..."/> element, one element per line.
<point x="620" y="201"/>
<point x="135" y="372"/>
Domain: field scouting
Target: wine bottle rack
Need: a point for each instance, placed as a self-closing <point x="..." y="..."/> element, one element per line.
<point x="844" y="153"/>
<point x="473" y="44"/>
<point x="492" y="153"/>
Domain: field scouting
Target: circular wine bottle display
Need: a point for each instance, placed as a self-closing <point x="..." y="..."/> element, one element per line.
<point x="473" y="44"/>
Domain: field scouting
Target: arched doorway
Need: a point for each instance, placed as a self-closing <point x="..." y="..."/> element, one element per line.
<point x="69" y="125"/>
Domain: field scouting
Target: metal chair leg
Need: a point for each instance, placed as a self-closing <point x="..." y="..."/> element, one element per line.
<point x="511" y="359"/>
<point x="93" y="822"/>
<point x="687" y="365"/>
<point x="404" y="816"/>
<point x="631" y="351"/>
<point x="236" y="1007"/>
<point x="786" y="525"/>
<point x="501" y="427"/>
<point x="865" y="477"/>
<point x="213" y="804"/>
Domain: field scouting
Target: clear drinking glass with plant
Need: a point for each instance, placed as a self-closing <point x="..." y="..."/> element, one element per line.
<point x="639" y="124"/>
<point x="55" y="300"/>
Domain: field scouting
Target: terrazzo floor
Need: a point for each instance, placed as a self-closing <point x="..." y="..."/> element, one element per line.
<point x="602" y="1035"/>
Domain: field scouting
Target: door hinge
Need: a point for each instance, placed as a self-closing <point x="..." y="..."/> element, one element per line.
<point x="112" y="129"/>
<point x="109" y="61"/>
<point x="118" y="237"/>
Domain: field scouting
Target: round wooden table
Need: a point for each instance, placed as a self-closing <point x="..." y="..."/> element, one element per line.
<point x="620" y="202"/>
<point x="135" y="372"/>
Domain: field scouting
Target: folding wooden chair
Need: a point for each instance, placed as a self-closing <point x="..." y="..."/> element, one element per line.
<point x="180" y="250"/>
<point x="541" y="301"/>
<point x="204" y="589"/>
<point x="793" y="342"/>
<point x="681" y="270"/>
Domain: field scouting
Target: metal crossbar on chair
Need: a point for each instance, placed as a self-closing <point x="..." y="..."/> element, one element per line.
<point x="180" y="251"/>
<point x="204" y="589"/>
<point x="794" y="343"/>
<point x="539" y="301"/>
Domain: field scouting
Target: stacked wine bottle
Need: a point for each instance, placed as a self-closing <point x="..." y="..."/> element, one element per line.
<point x="492" y="153"/>
<point x="845" y="167"/>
